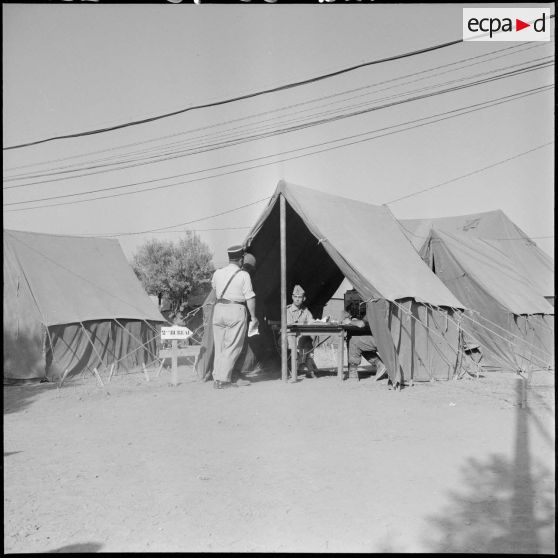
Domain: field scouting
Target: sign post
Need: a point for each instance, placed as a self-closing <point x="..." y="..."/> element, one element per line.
<point x="174" y="360"/>
<point x="173" y="334"/>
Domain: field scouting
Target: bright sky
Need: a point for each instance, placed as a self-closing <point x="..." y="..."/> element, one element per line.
<point x="75" y="67"/>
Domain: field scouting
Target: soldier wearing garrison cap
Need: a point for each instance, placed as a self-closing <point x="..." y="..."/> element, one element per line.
<point x="298" y="313"/>
<point x="235" y="300"/>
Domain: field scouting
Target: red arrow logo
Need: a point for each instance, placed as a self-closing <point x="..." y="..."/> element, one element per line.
<point x="519" y="25"/>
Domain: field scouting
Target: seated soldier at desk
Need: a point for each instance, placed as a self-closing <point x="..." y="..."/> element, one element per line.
<point x="298" y="313"/>
<point x="362" y="345"/>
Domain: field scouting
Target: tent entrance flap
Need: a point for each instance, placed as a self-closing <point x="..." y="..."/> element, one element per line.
<point x="307" y="263"/>
<point x="416" y="342"/>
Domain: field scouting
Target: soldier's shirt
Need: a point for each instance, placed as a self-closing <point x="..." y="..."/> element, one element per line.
<point x="298" y="315"/>
<point x="240" y="288"/>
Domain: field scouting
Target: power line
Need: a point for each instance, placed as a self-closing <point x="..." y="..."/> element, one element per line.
<point x="298" y="127"/>
<point x="183" y="230"/>
<point x="446" y="115"/>
<point x="470" y="173"/>
<point x="258" y="201"/>
<point x="326" y="118"/>
<point x="112" y="235"/>
<point x="522" y="47"/>
<point x="241" y="97"/>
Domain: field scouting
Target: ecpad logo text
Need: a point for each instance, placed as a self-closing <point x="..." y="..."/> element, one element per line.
<point x="506" y="24"/>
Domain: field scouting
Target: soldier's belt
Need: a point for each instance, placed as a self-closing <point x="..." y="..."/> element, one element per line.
<point x="227" y="301"/>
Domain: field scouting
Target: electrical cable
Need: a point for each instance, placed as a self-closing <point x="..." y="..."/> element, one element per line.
<point x="469" y="174"/>
<point x="514" y="47"/>
<point x="240" y="97"/>
<point x="461" y="111"/>
<point x="112" y="235"/>
<point x="326" y="119"/>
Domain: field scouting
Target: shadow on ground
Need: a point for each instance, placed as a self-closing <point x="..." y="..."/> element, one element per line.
<point x="18" y="397"/>
<point x="78" y="547"/>
<point x="271" y="371"/>
<point x="507" y="507"/>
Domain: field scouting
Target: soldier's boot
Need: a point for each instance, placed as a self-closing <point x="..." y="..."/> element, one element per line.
<point x="311" y="366"/>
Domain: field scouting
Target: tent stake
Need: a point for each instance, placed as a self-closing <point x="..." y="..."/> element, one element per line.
<point x="160" y="367"/>
<point x="63" y="378"/>
<point x="283" y="231"/>
<point x="98" y="377"/>
<point x="111" y="371"/>
<point x="145" y="371"/>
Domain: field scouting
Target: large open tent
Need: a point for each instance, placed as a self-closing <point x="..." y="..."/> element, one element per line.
<point x="72" y="304"/>
<point x="412" y="314"/>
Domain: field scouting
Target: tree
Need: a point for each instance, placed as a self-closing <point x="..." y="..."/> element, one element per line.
<point x="174" y="270"/>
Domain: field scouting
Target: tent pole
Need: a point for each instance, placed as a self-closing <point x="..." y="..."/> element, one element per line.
<point x="283" y="229"/>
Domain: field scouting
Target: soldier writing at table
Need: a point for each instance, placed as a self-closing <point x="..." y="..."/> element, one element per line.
<point x="298" y="313"/>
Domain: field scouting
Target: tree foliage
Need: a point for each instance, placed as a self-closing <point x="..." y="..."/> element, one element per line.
<point x="173" y="269"/>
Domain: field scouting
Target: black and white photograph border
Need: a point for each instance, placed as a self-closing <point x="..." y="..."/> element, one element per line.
<point x="382" y="170"/>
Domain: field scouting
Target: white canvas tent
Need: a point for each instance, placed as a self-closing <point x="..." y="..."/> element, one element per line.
<point x="71" y="304"/>
<point x="504" y="280"/>
<point x="413" y="315"/>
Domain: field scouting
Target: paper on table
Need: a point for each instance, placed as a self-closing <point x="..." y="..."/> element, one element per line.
<point x="252" y="329"/>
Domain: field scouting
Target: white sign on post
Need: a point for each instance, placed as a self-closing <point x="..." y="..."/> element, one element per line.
<point x="175" y="332"/>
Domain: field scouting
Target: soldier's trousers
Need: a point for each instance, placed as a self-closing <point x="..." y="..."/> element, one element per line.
<point x="362" y="345"/>
<point x="229" y="332"/>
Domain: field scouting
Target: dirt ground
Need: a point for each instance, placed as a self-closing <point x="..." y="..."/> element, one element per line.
<point x="316" y="466"/>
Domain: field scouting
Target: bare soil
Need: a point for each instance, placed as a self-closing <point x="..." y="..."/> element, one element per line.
<point x="316" y="466"/>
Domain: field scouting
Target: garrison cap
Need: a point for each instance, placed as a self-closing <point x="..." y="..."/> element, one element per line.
<point x="298" y="290"/>
<point x="235" y="252"/>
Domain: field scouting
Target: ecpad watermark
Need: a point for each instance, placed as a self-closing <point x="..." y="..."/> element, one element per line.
<point x="506" y="24"/>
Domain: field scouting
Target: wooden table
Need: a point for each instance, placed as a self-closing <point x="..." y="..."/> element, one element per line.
<point x="294" y="331"/>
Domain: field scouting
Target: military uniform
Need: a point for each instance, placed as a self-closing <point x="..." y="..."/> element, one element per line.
<point x="301" y="315"/>
<point x="230" y="316"/>
<point x="298" y="315"/>
<point x="364" y="345"/>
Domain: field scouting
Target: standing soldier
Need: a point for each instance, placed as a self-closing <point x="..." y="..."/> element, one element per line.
<point x="235" y="298"/>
